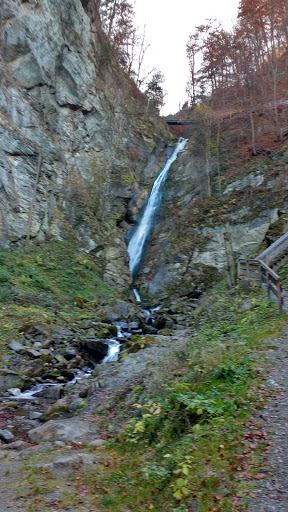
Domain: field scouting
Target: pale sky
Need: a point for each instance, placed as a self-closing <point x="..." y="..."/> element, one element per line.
<point x="169" y="23"/>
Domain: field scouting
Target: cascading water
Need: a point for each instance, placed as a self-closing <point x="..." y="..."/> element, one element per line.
<point x="114" y="346"/>
<point x="137" y="243"/>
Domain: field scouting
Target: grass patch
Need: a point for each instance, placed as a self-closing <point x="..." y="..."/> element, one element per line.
<point x="283" y="273"/>
<point x="50" y="283"/>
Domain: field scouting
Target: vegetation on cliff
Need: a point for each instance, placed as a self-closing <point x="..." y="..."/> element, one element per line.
<point x="48" y="284"/>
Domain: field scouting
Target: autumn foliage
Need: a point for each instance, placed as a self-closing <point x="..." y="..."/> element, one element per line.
<point x="243" y="72"/>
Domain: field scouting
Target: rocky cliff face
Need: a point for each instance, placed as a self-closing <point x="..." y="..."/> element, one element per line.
<point x="198" y="237"/>
<point x="76" y="147"/>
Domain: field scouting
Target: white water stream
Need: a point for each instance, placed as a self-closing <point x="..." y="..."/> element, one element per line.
<point x="143" y="231"/>
<point x="114" y="346"/>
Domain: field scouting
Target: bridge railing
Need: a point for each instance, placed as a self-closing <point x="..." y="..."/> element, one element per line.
<point x="258" y="270"/>
<point x="274" y="250"/>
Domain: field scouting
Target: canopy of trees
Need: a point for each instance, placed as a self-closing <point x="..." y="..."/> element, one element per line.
<point x="246" y="68"/>
<point x="128" y="45"/>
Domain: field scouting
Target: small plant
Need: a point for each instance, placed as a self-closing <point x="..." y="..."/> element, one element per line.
<point x="181" y="485"/>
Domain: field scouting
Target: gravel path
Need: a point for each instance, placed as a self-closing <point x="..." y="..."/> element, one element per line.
<point x="272" y="496"/>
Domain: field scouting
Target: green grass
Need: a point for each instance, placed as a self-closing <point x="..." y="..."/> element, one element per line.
<point x="190" y="440"/>
<point x="57" y="270"/>
<point x="49" y="283"/>
<point x="283" y="273"/>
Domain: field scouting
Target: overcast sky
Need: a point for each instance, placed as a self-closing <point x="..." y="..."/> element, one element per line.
<point x="169" y="23"/>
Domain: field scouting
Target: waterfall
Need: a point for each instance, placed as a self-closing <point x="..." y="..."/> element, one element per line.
<point x="114" y="346"/>
<point x="143" y="231"/>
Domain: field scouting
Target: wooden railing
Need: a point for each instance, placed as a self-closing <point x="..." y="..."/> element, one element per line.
<point x="274" y="250"/>
<point x="260" y="272"/>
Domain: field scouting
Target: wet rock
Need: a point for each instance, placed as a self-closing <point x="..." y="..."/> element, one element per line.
<point x="10" y="379"/>
<point x="112" y="329"/>
<point x="96" y="348"/>
<point x="133" y="325"/>
<point x="6" y="436"/>
<point x="149" y="329"/>
<point x="66" y="375"/>
<point x="136" y="331"/>
<point x="70" y="353"/>
<point x="51" y="392"/>
<point x="14" y="391"/>
<point x="34" y="415"/>
<point x="163" y="322"/>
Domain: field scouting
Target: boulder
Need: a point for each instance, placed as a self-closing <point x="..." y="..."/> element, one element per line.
<point x="16" y="445"/>
<point x="96" y="348"/>
<point x="6" y="436"/>
<point x="14" y="391"/>
<point x="70" y="353"/>
<point x="85" y="459"/>
<point x="60" y="407"/>
<point x="17" y="347"/>
<point x="97" y="443"/>
<point x="32" y="368"/>
<point x="163" y="322"/>
<point x="10" y="379"/>
<point x="72" y="429"/>
<point x="120" y="310"/>
<point x="51" y="392"/>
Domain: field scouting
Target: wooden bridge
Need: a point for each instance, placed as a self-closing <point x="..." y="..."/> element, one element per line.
<point x="178" y="122"/>
<point x="262" y="270"/>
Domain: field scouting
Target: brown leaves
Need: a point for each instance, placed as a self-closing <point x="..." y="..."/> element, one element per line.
<point x="259" y="476"/>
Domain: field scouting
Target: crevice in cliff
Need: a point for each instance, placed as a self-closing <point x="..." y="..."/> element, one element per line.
<point x="71" y="106"/>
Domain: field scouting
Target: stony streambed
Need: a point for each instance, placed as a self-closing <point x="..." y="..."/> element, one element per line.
<point x="61" y="368"/>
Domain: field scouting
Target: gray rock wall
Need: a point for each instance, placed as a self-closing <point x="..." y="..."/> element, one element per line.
<point x="68" y="113"/>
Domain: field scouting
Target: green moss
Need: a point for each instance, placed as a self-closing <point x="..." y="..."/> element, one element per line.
<point x="50" y="283"/>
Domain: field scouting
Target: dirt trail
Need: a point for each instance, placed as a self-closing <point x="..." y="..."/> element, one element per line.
<point x="272" y="494"/>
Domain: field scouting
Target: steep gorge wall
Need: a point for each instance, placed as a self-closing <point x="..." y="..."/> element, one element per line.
<point x="69" y="114"/>
<point x="197" y="238"/>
